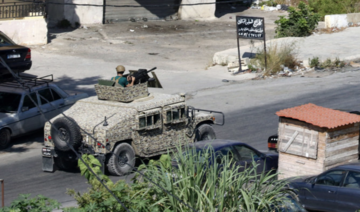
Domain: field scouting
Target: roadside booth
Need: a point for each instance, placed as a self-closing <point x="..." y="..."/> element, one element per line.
<point x="313" y="139"/>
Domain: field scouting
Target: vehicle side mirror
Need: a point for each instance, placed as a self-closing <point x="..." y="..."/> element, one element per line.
<point x="23" y="109"/>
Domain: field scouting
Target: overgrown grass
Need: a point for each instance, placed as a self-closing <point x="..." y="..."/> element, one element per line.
<point x="195" y="183"/>
<point x="328" y="7"/>
<point x="328" y="63"/>
<point x="206" y="186"/>
<point x="277" y="56"/>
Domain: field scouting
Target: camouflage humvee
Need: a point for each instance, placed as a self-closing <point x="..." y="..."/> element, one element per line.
<point x="126" y="122"/>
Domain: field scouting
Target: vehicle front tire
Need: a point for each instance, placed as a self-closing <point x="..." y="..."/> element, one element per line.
<point x="205" y="132"/>
<point x="69" y="133"/>
<point x="66" y="161"/>
<point x="118" y="162"/>
<point x="5" y="138"/>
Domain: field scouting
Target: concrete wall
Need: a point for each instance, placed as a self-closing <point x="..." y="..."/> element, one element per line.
<point x="76" y="13"/>
<point x="341" y="20"/>
<point x="204" y="11"/>
<point x="354" y="18"/>
<point x="26" y="31"/>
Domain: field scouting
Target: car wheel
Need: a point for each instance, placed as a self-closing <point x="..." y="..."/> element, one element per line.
<point x="68" y="133"/>
<point x="204" y="132"/>
<point x="66" y="161"/>
<point x="4" y="138"/>
<point x="120" y="159"/>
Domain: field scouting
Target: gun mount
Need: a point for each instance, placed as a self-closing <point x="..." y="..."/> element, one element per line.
<point x="142" y="75"/>
<point x="112" y="91"/>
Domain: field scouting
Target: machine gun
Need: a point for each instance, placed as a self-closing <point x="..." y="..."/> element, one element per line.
<point x="142" y="76"/>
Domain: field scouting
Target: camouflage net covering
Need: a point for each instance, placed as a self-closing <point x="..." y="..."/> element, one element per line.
<point x="121" y="94"/>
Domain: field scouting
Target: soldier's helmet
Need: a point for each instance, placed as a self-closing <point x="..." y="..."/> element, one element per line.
<point x="120" y="68"/>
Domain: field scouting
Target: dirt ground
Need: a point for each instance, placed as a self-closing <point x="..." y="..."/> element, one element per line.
<point x="176" y="45"/>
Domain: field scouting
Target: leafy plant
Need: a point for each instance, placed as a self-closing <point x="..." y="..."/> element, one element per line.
<point x="138" y="197"/>
<point x="328" y="7"/>
<point x="301" y="22"/>
<point x="37" y="204"/>
<point x="207" y="186"/>
<point x="277" y="56"/>
<point x="314" y="62"/>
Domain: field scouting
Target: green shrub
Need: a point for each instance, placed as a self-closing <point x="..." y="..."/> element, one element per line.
<point x="328" y="63"/>
<point x="301" y="22"/>
<point x="206" y="186"/>
<point x="314" y="62"/>
<point x="196" y="181"/>
<point x="277" y="56"/>
<point x="328" y="7"/>
<point x="36" y="204"/>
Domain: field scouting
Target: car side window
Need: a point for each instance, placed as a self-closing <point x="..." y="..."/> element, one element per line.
<point x="332" y="178"/>
<point x="48" y="94"/>
<point x="352" y="180"/>
<point x="246" y="153"/>
<point x="224" y="152"/>
<point x="28" y="103"/>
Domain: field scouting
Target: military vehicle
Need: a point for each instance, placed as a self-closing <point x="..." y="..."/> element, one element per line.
<point x="119" y="124"/>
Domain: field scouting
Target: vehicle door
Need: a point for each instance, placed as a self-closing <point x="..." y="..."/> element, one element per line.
<point x="347" y="198"/>
<point x="9" y="110"/>
<point x="247" y="156"/>
<point x="322" y="193"/>
<point x="149" y="131"/>
<point x="29" y="115"/>
<point x="50" y="102"/>
<point x="174" y="118"/>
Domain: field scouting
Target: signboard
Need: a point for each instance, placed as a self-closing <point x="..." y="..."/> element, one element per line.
<point x="250" y="27"/>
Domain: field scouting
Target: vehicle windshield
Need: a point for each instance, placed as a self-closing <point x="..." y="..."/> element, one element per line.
<point x="9" y="102"/>
<point x="4" y="41"/>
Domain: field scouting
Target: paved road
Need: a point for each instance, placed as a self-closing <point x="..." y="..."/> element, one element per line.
<point x="250" y="117"/>
<point x="78" y="59"/>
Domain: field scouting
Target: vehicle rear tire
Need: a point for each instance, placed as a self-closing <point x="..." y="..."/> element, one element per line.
<point x="205" y="132"/>
<point x="69" y="133"/>
<point x="115" y="164"/>
<point x="66" y="161"/>
<point x="5" y="138"/>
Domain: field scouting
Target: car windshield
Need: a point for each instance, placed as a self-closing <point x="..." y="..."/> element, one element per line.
<point x="9" y="102"/>
<point x="4" y="41"/>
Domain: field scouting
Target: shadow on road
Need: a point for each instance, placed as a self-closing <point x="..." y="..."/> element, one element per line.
<point x="25" y="142"/>
<point x="71" y="85"/>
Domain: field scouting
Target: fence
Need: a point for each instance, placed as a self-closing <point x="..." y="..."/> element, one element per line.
<point x="21" y="9"/>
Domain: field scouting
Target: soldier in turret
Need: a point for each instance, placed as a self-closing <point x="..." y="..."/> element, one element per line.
<point x="121" y="80"/>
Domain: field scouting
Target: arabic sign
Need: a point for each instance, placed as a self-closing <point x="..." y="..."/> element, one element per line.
<point x="250" y="27"/>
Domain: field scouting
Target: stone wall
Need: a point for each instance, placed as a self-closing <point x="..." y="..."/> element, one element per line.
<point x="76" y="13"/>
<point x="26" y="31"/>
<point x="203" y="11"/>
<point x="341" y="20"/>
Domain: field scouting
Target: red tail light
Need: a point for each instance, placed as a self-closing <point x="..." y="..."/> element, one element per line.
<point x="272" y="145"/>
<point x="49" y="137"/>
<point x="28" y="54"/>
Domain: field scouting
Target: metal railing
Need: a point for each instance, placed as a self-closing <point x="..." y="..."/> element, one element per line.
<point x="21" y="9"/>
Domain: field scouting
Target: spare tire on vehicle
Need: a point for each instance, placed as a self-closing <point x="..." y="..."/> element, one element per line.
<point x="68" y="133"/>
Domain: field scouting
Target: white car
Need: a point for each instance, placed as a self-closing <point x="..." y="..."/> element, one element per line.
<point x="19" y="115"/>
